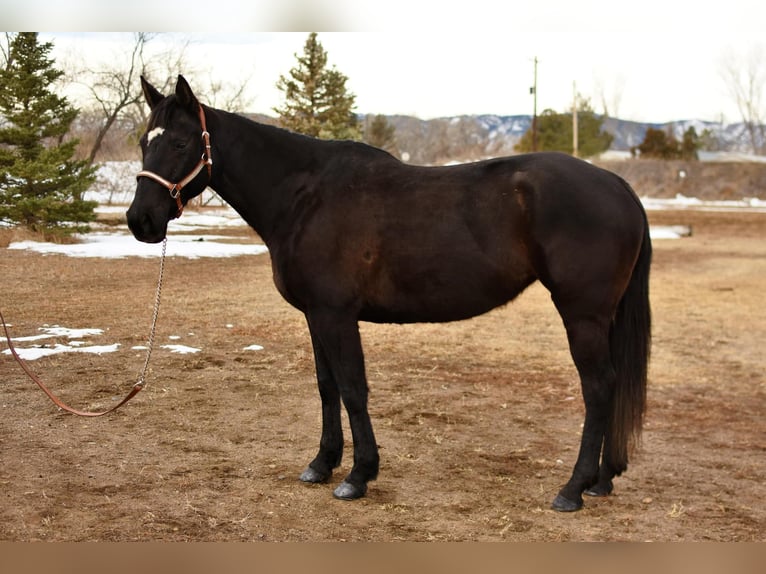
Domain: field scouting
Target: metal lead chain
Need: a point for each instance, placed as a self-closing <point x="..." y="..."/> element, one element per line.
<point x="150" y="343"/>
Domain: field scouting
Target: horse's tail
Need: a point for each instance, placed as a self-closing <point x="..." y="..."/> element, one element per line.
<point x="630" y="343"/>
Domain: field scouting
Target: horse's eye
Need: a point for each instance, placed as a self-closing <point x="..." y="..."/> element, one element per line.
<point x="178" y="144"/>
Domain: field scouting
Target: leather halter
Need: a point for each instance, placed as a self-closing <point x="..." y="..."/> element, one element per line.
<point x="205" y="160"/>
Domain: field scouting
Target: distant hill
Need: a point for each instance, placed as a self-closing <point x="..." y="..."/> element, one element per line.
<point x="467" y="138"/>
<point x="723" y="137"/>
<point x="464" y="138"/>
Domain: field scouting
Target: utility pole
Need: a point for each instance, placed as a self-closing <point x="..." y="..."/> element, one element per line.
<point x="533" y="91"/>
<point x="574" y="119"/>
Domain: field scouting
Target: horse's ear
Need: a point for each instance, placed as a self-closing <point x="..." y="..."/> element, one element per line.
<point x="185" y="95"/>
<point x="153" y="97"/>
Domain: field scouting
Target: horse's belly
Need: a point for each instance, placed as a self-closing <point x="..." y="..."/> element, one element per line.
<point x="440" y="299"/>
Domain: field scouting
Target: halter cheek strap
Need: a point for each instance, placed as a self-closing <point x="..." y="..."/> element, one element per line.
<point x="205" y="160"/>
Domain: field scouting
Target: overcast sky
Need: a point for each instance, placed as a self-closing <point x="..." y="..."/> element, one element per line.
<point x="650" y="60"/>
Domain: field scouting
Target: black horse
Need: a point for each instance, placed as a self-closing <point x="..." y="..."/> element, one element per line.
<point x="356" y="235"/>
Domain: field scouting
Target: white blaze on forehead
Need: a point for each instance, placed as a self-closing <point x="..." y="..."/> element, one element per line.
<point x="153" y="134"/>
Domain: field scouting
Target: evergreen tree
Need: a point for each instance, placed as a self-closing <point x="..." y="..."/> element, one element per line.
<point x="41" y="186"/>
<point x="554" y="132"/>
<point x="655" y="145"/>
<point x="659" y="144"/>
<point x="690" y="144"/>
<point x="380" y="133"/>
<point x="317" y="102"/>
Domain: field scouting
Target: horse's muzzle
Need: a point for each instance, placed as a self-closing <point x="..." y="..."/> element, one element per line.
<point x="144" y="227"/>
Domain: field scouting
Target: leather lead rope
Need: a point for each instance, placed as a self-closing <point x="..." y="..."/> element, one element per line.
<point x="140" y="383"/>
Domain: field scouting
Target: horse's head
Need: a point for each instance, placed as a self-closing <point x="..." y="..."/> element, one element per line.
<point x="176" y="161"/>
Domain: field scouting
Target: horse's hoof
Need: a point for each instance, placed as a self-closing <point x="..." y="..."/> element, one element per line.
<point x="348" y="491"/>
<point x="314" y="476"/>
<point x="561" y="504"/>
<point x="600" y="489"/>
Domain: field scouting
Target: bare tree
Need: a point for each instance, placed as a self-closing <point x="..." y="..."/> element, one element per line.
<point x="745" y="77"/>
<point x="228" y="96"/>
<point x="5" y="51"/>
<point x="114" y="89"/>
<point x="610" y="96"/>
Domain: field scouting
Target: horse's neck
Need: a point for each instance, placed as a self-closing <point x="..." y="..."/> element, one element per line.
<point x="262" y="167"/>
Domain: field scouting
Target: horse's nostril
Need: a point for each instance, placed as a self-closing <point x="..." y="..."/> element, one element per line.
<point x="135" y="222"/>
<point x="143" y="227"/>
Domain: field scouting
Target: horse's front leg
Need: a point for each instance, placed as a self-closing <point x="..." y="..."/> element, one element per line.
<point x="331" y="444"/>
<point x="337" y="343"/>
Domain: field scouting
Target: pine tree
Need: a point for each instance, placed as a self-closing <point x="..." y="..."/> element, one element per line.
<point x="379" y="133"/>
<point x="41" y="186"/>
<point x="659" y="144"/>
<point x="690" y="144"/>
<point x="555" y="132"/>
<point x="317" y="102"/>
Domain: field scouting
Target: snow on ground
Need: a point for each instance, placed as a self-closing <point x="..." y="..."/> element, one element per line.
<point x="181" y="349"/>
<point x="669" y="231"/>
<point x="75" y="344"/>
<point x="32" y="353"/>
<point x="61" y="332"/>
<point x="749" y="204"/>
<point x="119" y="245"/>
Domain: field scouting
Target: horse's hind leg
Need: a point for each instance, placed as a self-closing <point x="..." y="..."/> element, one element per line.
<point x="608" y="469"/>
<point x="589" y="345"/>
<point x="337" y="343"/>
<point x="331" y="444"/>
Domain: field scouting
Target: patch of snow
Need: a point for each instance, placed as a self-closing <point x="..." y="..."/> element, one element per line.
<point x="748" y="204"/>
<point x="56" y="331"/>
<point x="33" y="353"/>
<point x="253" y="348"/>
<point x="181" y="349"/>
<point x="118" y="246"/>
<point x="669" y="231"/>
<point x="613" y="155"/>
<point x="76" y="346"/>
<point x="730" y="156"/>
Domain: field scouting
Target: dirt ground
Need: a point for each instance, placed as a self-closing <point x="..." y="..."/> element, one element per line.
<point x="478" y="422"/>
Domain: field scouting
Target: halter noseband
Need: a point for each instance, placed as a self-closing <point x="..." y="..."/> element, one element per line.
<point x="205" y="160"/>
